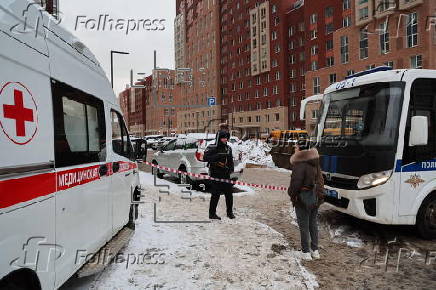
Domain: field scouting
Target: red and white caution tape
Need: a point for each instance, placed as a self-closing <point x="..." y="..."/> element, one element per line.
<point x="202" y="176"/>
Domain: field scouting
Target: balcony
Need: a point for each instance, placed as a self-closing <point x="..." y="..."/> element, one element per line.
<point x="384" y="8"/>
<point x="408" y="4"/>
<point x="364" y="12"/>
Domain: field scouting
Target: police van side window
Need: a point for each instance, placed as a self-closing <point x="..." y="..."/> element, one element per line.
<point x="80" y="132"/>
<point x="120" y="137"/>
<point x="422" y="103"/>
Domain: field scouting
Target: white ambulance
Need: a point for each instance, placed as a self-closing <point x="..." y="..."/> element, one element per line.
<point x="68" y="180"/>
<point x="377" y="141"/>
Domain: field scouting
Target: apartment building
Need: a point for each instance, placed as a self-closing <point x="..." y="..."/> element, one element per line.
<point x="400" y="34"/>
<point x="254" y="55"/>
<point x="199" y="46"/>
<point x="162" y="101"/>
<point x="134" y="107"/>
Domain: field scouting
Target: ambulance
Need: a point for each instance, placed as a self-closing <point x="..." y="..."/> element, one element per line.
<point x="377" y="141"/>
<point x="69" y="183"/>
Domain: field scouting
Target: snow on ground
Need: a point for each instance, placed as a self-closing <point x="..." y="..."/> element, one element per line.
<point x="227" y="254"/>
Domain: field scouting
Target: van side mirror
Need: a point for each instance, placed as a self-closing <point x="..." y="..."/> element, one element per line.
<point x="419" y="131"/>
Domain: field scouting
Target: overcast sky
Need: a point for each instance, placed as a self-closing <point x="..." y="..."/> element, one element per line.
<point x="140" y="43"/>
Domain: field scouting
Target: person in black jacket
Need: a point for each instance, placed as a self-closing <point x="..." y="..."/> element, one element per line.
<point x="220" y="160"/>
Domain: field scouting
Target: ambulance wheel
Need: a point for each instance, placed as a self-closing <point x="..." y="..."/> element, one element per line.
<point x="426" y="219"/>
<point x="155" y="171"/>
<point x="21" y="279"/>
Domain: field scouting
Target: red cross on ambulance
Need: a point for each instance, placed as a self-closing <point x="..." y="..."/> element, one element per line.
<point x="18" y="113"/>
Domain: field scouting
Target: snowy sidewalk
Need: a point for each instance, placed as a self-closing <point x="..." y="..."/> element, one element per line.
<point x="227" y="254"/>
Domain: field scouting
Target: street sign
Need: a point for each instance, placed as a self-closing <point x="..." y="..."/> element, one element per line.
<point x="211" y="101"/>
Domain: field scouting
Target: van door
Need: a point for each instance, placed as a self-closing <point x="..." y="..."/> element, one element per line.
<point x="419" y="163"/>
<point x="123" y="172"/>
<point x="83" y="224"/>
<point x="27" y="178"/>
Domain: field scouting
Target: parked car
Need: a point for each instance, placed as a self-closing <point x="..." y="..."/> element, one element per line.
<point x="164" y="141"/>
<point x="152" y="141"/>
<point x="184" y="154"/>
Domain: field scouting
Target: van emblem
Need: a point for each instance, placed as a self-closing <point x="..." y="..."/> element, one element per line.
<point x="415" y="180"/>
<point x="18" y="113"/>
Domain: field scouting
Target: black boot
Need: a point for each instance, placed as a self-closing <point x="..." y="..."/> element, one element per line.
<point x="213" y="205"/>
<point x="229" y="205"/>
<point x="214" y="217"/>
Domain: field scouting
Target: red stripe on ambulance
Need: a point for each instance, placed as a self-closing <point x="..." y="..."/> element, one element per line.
<point x="77" y="176"/>
<point x="14" y="191"/>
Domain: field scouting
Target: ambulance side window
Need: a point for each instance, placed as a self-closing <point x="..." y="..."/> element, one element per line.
<point x="80" y="132"/>
<point x="120" y="137"/>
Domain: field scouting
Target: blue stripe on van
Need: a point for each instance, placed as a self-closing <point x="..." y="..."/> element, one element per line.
<point x="428" y="165"/>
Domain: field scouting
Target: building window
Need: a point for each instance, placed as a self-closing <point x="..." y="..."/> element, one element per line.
<point x="258" y="119"/>
<point x="344" y="49"/>
<point x="314" y="65"/>
<point x="329" y="28"/>
<point x="329" y="44"/>
<point x="274" y="35"/>
<point x="313" y="34"/>
<point x="277" y="75"/>
<point x="412" y="30"/>
<point x="275" y="90"/>
<point x="329" y="12"/>
<point x="313" y="18"/>
<point x="346" y="21"/>
<point x="277" y="116"/>
<point x="265" y="92"/>
<point x="390" y="64"/>
<point x="332" y="78"/>
<point x="291" y="30"/>
<point x="363" y="43"/>
<point x="330" y="61"/>
<point x="346" y="4"/>
<point x="316" y="86"/>
<point x="314" y="50"/>
<point x="416" y="61"/>
<point x="384" y="38"/>
<point x="363" y="13"/>
<point x="350" y="72"/>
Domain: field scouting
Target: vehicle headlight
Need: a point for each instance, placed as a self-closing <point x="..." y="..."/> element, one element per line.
<point x="374" y="179"/>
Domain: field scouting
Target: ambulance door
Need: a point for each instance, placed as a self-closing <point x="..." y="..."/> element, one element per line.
<point x="82" y="201"/>
<point x="123" y="172"/>
<point x="27" y="179"/>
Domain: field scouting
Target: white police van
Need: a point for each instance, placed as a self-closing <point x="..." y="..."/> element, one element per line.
<point x="67" y="175"/>
<point x="377" y="141"/>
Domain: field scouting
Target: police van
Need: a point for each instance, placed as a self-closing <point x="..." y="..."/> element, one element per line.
<point x="377" y="141"/>
<point x="69" y="182"/>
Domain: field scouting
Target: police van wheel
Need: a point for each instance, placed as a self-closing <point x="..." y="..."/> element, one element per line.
<point x="426" y="219"/>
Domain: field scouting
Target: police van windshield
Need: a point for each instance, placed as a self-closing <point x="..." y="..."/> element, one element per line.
<point x="368" y="115"/>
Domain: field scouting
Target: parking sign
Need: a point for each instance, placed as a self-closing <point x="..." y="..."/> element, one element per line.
<point x="211" y="101"/>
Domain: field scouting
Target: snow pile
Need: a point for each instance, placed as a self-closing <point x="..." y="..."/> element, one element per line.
<point x="189" y="252"/>
<point x="253" y="151"/>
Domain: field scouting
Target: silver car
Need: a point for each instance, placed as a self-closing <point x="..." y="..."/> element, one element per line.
<point x="185" y="155"/>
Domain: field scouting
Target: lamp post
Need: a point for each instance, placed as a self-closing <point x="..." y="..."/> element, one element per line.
<point x="112" y="64"/>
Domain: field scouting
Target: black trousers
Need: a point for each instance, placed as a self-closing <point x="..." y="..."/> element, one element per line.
<point x="217" y="189"/>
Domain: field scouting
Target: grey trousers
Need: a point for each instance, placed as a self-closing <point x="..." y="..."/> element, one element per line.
<point x="308" y="223"/>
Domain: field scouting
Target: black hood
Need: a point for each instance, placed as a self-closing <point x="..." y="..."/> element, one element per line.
<point x="221" y="134"/>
